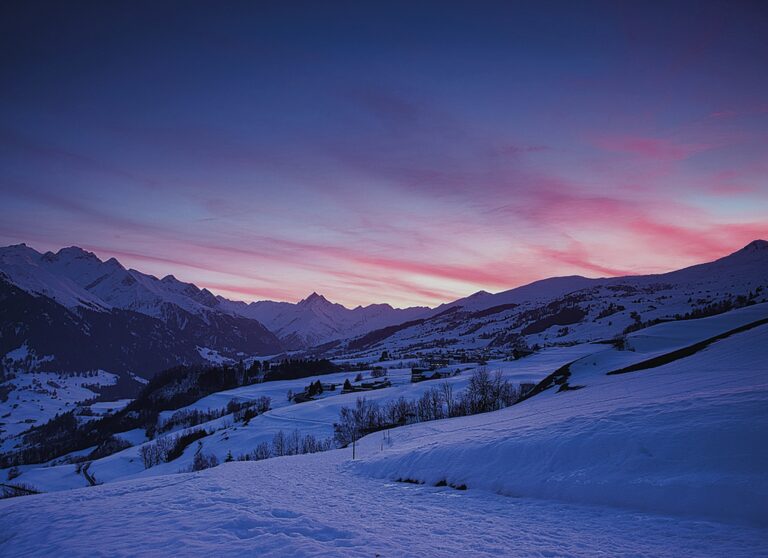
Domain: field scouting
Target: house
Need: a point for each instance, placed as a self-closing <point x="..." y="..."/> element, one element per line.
<point x="365" y="386"/>
<point x="377" y="384"/>
<point x="302" y="397"/>
<point x="419" y="374"/>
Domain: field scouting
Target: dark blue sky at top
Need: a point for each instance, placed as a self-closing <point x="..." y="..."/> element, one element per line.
<point x="331" y="146"/>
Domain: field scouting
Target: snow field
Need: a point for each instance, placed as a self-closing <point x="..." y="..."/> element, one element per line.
<point x="684" y="438"/>
<point x="311" y="505"/>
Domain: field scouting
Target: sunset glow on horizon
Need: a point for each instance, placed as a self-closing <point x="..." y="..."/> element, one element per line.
<point x="411" y="154"/>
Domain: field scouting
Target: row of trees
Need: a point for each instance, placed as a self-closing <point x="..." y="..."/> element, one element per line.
<point x="313" y="389"/>
<point x="485" y="392"/>
<point x="292" y="443"/>
<point x="168" y="448"/>
<point x="242" y="411"/>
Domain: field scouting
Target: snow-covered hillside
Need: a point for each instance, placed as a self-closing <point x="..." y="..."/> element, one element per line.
<point x="313" y="417"/>
<point x="34" y="398"/>
<point x="685" y="437"/>
<point x="565" y="310"/>
<point x="667" y="460"/>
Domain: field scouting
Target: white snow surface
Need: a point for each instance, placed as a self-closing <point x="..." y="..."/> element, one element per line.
<point x="314" y="506"/>
<point x="313" y="417"/>
<point x="685" y="438"/>
<point x="667" y="461"/>
<point x="36" y="397"/>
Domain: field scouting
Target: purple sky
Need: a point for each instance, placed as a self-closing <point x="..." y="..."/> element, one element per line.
<point x="408" y="153"/>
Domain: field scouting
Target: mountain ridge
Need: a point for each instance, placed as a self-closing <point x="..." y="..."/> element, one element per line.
<point x="77" y="278"/>
<point x="576" y="309"/>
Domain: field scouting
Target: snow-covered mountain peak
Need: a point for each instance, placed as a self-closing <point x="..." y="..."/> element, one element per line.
<point x="75" y="252"/>
<point x="18" y="250"/>
<point x="753" y="254"/>
<point x="314" y="299"/>
<point x="75" y="277"/>
<point x="315" y="319"/>
<point x="479" y="294"/>
<point x="381" y="307"/>
<point x="758" y="245"/>
<point x="36" y="273"/>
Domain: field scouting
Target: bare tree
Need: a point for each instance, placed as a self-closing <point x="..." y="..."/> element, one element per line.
<point x="278" y="444"/>
<point x="447" y="390"/>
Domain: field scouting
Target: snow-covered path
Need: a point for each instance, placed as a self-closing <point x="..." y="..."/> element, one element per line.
<point x="316" y="506"/>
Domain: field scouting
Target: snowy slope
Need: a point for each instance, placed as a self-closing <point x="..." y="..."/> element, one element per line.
<point x="667" y="461"/>
<point x="317" y="417"/>
<point x="33" y="399"/>
<point x="684" y="438"/>
<point x="749" y="263"/>
<point x="311" y="506"/>
<point x="544" y="289"/>
<point x="313" y="417"/>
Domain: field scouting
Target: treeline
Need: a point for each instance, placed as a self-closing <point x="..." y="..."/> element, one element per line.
<point x="168" y="448"/>
<point x="242" y="411"/>
<point x="720" y="307"/>
<point x="292" y="443"/>
<point x="485" y="392"/>
<point x="711" y="309"/>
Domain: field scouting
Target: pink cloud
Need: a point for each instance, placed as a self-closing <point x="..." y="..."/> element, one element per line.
<point x="650" y="148"/>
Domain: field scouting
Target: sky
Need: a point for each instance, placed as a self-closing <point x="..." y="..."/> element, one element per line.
<point x="401" y="152"/>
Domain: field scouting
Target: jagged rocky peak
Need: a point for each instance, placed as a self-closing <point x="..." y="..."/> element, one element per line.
<point x="314" y="298"/>
<point x="112" y="262"/>
<point x="75" y="252"/>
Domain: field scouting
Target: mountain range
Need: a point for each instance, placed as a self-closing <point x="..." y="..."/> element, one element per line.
<point x="315" y="320"/>
<point x="70" y="311"/>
